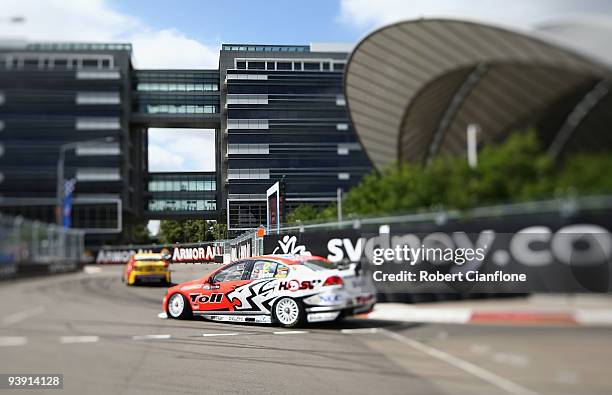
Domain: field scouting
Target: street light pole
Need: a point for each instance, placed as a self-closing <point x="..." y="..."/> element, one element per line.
<point x="59" y="188"/>
<point x="472" y="144"/>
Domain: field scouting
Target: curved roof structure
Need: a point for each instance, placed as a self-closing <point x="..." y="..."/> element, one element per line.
<point x="413" y="87"/>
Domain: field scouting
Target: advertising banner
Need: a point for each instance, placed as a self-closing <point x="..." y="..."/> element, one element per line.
<point x="178" y="254"/>
<point x="498" y="255"/>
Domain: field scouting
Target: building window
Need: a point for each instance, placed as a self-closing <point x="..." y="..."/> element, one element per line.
<point x="98" y="98"/>
<point x="90" y="63"/>
<point x="248" y="149"/>
<point x="312" y="66"/>
<point x="179" y="109"/>
<point x="270" y="66"/>
<point x="247" y="76"/>
<point x="98" y="174"/>
<point x="176" y="87"/>
<point x="256" y="65"/>
<point x="193" y="185"/>
<point x="342" y="126"/>
<point x="248" y="174"/>
<point x="297" y="66"/>
<point x="283" y="65"/>
<point x="98" y="123"/>
<point x="97" y="149"/>
<point x="247" y="99"/>
<point x="97" y="75"/>
<point x="339" y="66"/>
<point x="241" y="65"/>
<point x="340" y="100"/>
<point x="182" y="205"/>
<point x="325" y="65"/>
<point x="344" y="176"/>
<point x="247" y="124"/>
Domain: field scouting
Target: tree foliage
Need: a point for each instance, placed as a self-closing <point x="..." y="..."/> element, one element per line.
<point x="516" y="170"/>
<point x="188" y="231"/>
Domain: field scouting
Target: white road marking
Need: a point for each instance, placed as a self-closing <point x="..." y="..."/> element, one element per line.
<point x="151" y="337"/>
<point x="290" y="332"/>
<point x="359" y="330"/>
<point x="9" y="341"/>
<point x="407" y="313"/>
<point x="483" y="374"/>
<point x="21" y="315"/>
<point x="162" y="315"/>
<point x="220" y="334"/>
<point x="78" y="339"/>
<point x="92" y="269"/>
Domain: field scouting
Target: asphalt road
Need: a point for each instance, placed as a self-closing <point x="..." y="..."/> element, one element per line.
<point x="106" y="338"/>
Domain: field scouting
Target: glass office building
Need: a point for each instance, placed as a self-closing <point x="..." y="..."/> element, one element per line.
<point x="278" y="112"/>
<point x="285" y="119"/>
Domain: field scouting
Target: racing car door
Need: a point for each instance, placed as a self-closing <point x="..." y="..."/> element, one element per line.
<point x="213" y="296"/>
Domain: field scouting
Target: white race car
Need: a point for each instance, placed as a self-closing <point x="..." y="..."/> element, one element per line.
<point x="285" y="289"/>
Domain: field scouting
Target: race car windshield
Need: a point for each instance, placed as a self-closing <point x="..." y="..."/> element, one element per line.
<point x="318" y="265"/>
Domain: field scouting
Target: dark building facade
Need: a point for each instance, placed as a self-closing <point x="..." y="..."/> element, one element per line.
<point x="285" y="118"/>
<point x="277" y="111"/>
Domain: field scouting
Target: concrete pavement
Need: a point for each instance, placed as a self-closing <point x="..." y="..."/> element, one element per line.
<point x="107" y="338"/>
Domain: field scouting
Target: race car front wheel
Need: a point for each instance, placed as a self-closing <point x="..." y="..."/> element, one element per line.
<point x="288" y="312"/>
<point x="178" y="307"/>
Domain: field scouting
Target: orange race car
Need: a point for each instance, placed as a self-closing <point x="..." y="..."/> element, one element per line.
<point x="146" y="268"/>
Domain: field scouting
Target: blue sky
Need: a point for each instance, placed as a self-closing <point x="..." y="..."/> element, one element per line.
<point x="272" y="21"/>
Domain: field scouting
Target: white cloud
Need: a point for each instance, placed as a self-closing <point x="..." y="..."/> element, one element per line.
<point x="177" y="149"/>
<point x="97" y="21"/>
<point x="521" y="14"/>
<point x="153" y="227"/>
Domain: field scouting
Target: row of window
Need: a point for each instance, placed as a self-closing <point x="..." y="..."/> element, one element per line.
<point x="266" y="48"/>
<point x="264" y="149"/>
<point x="247" y="99"/>
<point x="94" y="98"/>
<point x="248" y="174"/>
<point x="98" y="123"/>
<point x="245" y="149"/>
<point x="62" y="62"/>
<point x="246" y="77"/>
<point x="68" y="46"/>
<point x="98" y="174"/>
<point x="97" y="149"/>
<point x="177" y="109"/>
<point x="176" y="87"/>
<point x="182" y="185"/>
<point x="247" y="124"/>
<point x="287" y="65"/>
<point x="182" y="205"/>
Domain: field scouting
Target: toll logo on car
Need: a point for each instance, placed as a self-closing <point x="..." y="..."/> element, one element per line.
<point x="295" y="285"/>
<point x="212" y="298"/>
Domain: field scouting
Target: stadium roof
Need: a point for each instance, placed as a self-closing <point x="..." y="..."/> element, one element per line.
<point x="413" y="87"/>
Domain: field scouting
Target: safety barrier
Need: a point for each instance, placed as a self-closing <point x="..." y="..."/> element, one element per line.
<point x="33" y="248"/>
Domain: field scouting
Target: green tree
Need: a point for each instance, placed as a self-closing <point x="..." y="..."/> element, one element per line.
<point x="516" y="170"/>
<point x="219" y="231"/>
<point x="188" y="231"/>
<point x="303" y="212"/>
<point x="136" y="233"/>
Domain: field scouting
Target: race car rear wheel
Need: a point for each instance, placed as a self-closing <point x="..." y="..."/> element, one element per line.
<point x="178" y="307"/>
<point x="288" y="312"/>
